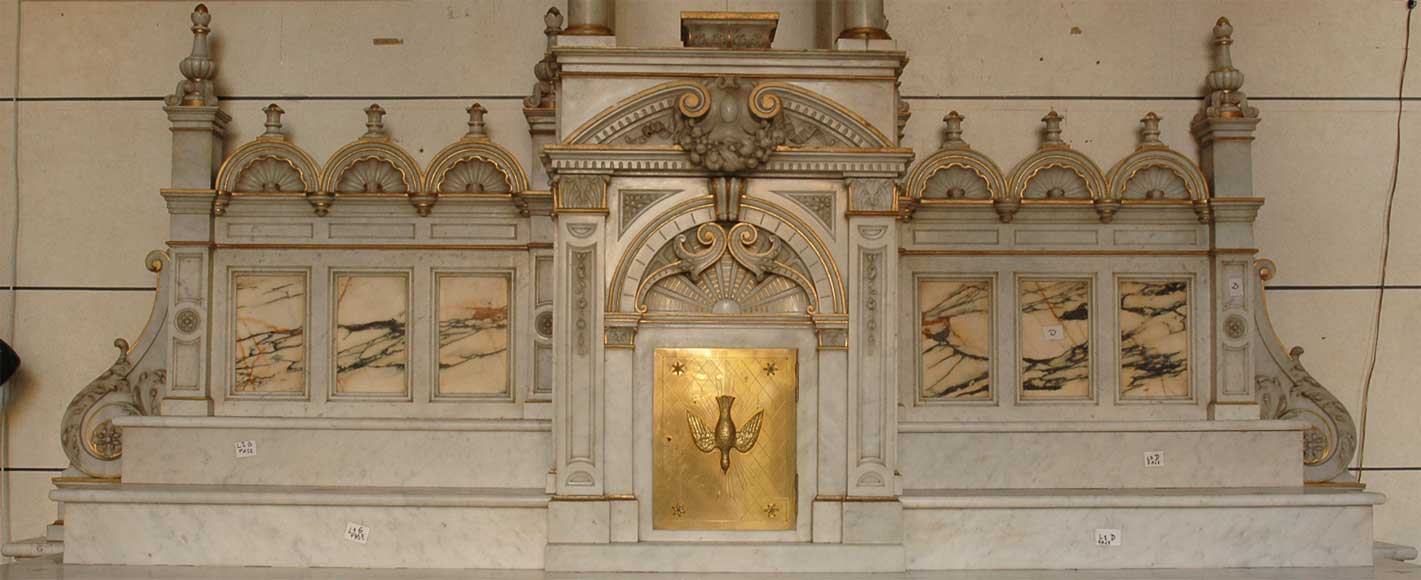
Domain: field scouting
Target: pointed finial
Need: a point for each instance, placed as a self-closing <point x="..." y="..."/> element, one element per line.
<point x="374" y="122"/>
<point x="952" y="134"/>
<point x="1052" y="134"/>
<point x="552" y="21"/>
<point x="273" y="122"/>
<point x="1225" y="99"/>
<point x="195" y="90"/>
<point x="477" y="129"/>
<point x="1149" y="134"/>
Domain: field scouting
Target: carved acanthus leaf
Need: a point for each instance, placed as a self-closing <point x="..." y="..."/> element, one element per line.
<point x="90" y="440"/>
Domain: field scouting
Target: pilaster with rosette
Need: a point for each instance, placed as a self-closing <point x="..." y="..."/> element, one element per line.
<point x="873" y="374"/>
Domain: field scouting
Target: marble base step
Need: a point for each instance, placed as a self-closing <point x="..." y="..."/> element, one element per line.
<point x="724" y="558"/>
<point x="1100" y="454"/>
<point x="1178" y="528"/>
<point x="31" y="548"/>
<point x="291" y="526"/>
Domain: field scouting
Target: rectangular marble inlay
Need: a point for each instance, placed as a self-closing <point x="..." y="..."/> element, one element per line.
<point x="955" y="342"/>
<point x="371" y="338"/>
<point x="473" y="334"/>
<point x="1055" y="339"/>
<point x="269" y="333"/>
<point x="1154" y="339"/>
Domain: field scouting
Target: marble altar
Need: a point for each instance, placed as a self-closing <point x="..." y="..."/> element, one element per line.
<point x="726" y="323"/>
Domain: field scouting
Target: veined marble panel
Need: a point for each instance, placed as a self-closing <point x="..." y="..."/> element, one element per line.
<point x="269" y="333"/>
<point x="371" y="334"/>
<point x="1054" y="337"/>
<point x="1154" y="339"/>
<point x="955" y="328"/>
<point x="472" y="334"/>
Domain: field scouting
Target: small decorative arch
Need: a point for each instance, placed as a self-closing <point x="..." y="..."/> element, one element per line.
<point x="266" y="166"/>
<point x="1056" y="173"/>
<point x="371" y="167"/>
<point x="956" y="173"/>
<point x="474" y="165"/>
<point x="802" y="251"/>
<point x="1156" y="174"/>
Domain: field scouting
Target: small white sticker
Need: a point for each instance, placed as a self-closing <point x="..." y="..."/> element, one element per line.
<point x="246" y="448"/>
<point x="357" y="533"/>
<point x="1154" y="459"/>
<point x="1235" y="287"/>
<point x="1053" y="332"/>
<point x="1107" y="537"/>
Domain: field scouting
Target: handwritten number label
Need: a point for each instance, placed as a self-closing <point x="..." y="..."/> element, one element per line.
<point x="357" y="533"/>
<point x="1235" y="287"/>
<point x="246" y="448"/>
<point x="1154" y="459"/>
<point x="1053" y="332"/>
<point x="1105" y="537"/>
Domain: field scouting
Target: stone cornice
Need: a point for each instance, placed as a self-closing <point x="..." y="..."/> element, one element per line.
<point x="672" y="161"/>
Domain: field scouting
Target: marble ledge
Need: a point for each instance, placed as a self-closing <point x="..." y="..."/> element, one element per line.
<point x="335" y="423"/>
<point x="1097" y="426"/>
<point x="298" y="495"/>
<point x="1139" y="498"/>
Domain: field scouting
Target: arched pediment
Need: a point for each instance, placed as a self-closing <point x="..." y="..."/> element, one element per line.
<point x="268" y="166"/>
<point x="1057" y="175"/>
<point x="952" y="175"/>
<point x="472" y="167"/>
<point x="1156" y="173"/>
<point x="700" y="117"/>
<point x="371" y="167"/>
<point x="804" y="262"/>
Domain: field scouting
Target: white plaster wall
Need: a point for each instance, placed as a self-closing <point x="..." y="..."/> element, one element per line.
<point x="93" y="142"/>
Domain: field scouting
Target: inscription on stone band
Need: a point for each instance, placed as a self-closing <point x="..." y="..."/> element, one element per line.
<point x="269" y="333"/>
<point x="955" y="340"/>
<point x="1055" y="339"/>
<point x="1154" y="339"/>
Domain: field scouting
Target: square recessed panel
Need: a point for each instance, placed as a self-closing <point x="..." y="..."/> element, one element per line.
<point x="472" y="334"/>
<point x="371" y="334"/>
<point x="955" y="340"/>
<point x="1054" y="338"/>
<point x="1154" y="339"/>
<point x="723" y="442"/>
<point x="269" y="333"/>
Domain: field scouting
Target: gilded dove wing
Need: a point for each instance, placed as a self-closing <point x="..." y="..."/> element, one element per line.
<point x="746" y="435"/>
<point x="704" y="438"/>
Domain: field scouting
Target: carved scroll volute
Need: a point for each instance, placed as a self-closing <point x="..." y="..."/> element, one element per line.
<point x="87" y="433"/>
<point x="1286" y="390"/>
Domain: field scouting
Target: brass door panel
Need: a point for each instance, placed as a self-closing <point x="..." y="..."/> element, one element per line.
<point x="723" y="453"/>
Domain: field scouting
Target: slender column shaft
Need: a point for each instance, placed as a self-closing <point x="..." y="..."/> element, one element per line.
<point x="590" y="18"/>
<point x="864" y="19"/>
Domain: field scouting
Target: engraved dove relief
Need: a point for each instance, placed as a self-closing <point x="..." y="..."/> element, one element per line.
<point x="725" y="437"/>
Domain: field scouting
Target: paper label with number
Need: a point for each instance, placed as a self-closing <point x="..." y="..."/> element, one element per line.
<point x="1104" y="537"/>
<point x="1154" y="459"/>
<point x="246" y="448"/>
<point x="1053" y="332"/>
<point x="357" y="533"/>
<point x="1235" y="287"/>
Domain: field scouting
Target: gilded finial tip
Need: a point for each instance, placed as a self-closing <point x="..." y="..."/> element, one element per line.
<point x="200" y="16"/>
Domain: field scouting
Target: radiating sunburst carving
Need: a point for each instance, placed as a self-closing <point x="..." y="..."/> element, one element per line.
<point x="1156" y="183"/>
<point x="270" y="175"/>
<point x="474" y="176"/>
<point x="371" y="176"/>
<point x="1056" y="183"/>
<point x="956" y="182"/>
<point x="714" y="277"/>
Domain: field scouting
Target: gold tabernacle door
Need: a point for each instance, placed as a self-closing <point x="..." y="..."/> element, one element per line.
<point x="723" y="457"/>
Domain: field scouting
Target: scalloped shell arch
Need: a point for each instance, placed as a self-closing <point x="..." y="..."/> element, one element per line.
<point x="956" y="182"/>
<point x="269" y="175"/>
<point x="1154" y="183"/>
<point x="474" y="175"/>
<point x="1056" y="182"/>
<point x="372" y="175"/>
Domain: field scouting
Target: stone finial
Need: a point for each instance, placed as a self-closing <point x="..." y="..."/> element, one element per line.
<point x="273" y="122"/>
<point x="1149" y="131"/>
<point x="544" y="94"/>
<point x="952" y="133"/>
<point x="374" y="122"/>
<point x="198" y="69"/>
<point x="1051" y="137"/>
<point x="1225" y="100"/>
<point x="477" y="129"/>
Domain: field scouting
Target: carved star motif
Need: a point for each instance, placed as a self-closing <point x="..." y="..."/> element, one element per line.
<point x="678" y="510"/>
<point x="678" y="368"/>
<point x="771" y="369"/>
<point x="772" y="510"/>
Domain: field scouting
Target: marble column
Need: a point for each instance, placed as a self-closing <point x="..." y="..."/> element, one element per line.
<point x="198" y="126"/>
<point x="863" y="26"/>
<point x="1224" y="130"/>
<point x="588" y="18"/>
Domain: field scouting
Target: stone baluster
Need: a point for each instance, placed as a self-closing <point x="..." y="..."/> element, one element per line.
<point x="198" y="126"/>
<point x="1224" y="129"/>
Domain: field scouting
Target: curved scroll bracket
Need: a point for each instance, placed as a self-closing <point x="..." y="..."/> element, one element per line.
<point x="1287" y="391"/>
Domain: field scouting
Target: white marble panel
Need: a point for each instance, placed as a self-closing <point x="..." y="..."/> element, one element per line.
<point x="297" y="535"/>
<point x="371" y="350"/>
<point x="956" y="341"/>
<point x="1120" y="47"/>
<point x="270" y="327"/>
<point x="1154" y="338"/>
<point x="65" y="340"/>
<point x="720" y="557"/>
<point x="992" y="460"/>
<point x="473" y="314"/>
<point x="1203" y="537"/>
<point x="1055" y="338"/>
<point x="280" y="48"/>
<point x="342" y="452"/>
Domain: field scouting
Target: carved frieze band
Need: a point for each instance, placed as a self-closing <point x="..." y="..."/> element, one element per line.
<point x="576" y="192"/>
